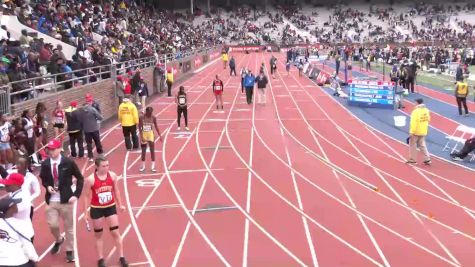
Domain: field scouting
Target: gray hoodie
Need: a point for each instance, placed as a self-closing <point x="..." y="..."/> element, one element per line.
<point x="90" y="119"/>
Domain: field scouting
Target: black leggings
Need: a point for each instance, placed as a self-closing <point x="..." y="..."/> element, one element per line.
<point x="462" y="101"/>
<point x="130" y="136"/>
<point x="152" y="150"/>
<point x="183" y="110"/>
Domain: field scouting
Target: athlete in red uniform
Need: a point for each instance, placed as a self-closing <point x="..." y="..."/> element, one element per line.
<point x="59" y="120"/>
<point x="102" y="198"/>
<point x="218" y="88"/>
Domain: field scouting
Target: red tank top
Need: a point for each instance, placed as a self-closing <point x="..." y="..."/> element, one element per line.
<point x="58" y="116"/>
<point x="102" y="192"/>
<point x="218" y="85"/>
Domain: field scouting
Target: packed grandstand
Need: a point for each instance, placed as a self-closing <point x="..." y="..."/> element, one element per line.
<point x="53" y="47"/>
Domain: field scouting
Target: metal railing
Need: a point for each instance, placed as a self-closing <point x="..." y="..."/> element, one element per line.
<point x="27" y="89"/>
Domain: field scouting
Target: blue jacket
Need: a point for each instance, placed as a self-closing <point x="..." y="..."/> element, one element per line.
<point x="249" y="80"/>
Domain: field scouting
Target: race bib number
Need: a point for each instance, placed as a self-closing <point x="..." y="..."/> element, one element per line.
<point x="217" y="88"/>
<point x="59" y="120"/>
<point x="182" y="100"/>
<point x="147" y="128"/>
<point x="105" y="197"/>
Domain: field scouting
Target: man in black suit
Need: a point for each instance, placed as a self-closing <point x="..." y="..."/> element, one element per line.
<point x="61" y="194"/>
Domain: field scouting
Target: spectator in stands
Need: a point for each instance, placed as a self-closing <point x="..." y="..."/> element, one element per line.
<point x="60" y="197"/>
<point x="4" y="80"/>
<point x="468" y="147"/>
<point x="461" y="93"/>
<point x="419" y="126"/>
<point x="24" y="38"/>
<point x="17" y="249"/>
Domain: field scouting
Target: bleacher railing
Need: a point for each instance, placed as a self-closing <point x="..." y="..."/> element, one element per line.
<point x="27" y="89"/>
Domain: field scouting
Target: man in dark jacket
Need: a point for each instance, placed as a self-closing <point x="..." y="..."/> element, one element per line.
<point x="261" y="87"/>
<point x="90" y="119"/>
<point x="73" y="122"/>
<point x="249" y="81"/>
<point x="232" y="66"/>
<point x="61" y="194"/>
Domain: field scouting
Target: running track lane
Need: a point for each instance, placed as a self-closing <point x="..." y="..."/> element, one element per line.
<point x="110" y="144"/>
<point x="333" y="113"/>
<point x="180" y="156"/>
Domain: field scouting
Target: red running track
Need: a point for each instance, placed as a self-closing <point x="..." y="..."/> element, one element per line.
<point x="281" y="184"/>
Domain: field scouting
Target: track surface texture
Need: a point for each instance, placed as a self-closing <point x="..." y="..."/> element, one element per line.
<point x="299" y="181"/>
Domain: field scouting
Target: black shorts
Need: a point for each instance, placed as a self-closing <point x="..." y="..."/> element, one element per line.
<point x="97" y="213"/>
<point x="59" y="125"/>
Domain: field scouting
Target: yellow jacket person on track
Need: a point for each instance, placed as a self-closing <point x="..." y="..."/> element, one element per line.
<point x="128" y="114"/>
<point x="129" y="119"/>
<point x="420" y="118"/>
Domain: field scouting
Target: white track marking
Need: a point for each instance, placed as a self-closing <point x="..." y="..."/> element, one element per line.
<point x="313" y="131"/>
<point x="202" y="187"/>
<point x="157" y="186"/>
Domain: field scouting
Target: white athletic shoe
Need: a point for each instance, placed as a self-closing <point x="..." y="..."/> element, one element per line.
<point x="178" y="129"/>
<point x="186" y="128"/>
<point x="142" y="169"/>
<point x="153" y="169"/>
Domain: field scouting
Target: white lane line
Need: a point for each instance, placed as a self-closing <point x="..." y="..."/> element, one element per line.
<point x="202" y="187"/>
<point x="299" y="200"/>
<point x="160" y="180"/>
<point x="133" y="222"/>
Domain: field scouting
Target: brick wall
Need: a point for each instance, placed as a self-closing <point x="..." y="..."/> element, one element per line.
<point x="104" y="91"/>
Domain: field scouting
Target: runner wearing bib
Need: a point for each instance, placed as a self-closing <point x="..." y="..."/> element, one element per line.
<point x="182" y="107"/>
<point x="59" y="120"/>
<point x="146" y="124"/>
<point x="101" y="194"/>
<point x="218" y="89"/>
<point x="461" y="92"/>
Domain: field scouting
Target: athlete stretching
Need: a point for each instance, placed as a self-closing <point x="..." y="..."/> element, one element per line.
<point x="102" y="200"/>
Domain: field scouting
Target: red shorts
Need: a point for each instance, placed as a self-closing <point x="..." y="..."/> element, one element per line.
<point x="218" y="92"/>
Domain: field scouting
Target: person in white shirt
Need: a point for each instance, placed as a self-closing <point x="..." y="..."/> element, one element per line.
<point x="31" y="184"/>
<point x="17" y="250"/>
<point x="13" y="184"/>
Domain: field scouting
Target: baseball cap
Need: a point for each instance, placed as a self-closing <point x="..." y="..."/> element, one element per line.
<point x="89" y="98"/>
<point x="7" y="202"/>
<point x="74" y="103"/>
<point x="13" y="179"/>
<point x="54" y="144"/>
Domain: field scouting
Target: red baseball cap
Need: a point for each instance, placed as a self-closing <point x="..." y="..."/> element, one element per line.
<point x="54" y="144"/>
<point x="13" y="179"/>
<point x="89" y="98"/>
<point x="74" y="103"/>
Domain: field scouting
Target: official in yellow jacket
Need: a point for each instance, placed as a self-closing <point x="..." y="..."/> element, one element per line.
<point x="170" y="81"/>
<point x="224" y="58"/>
<point x="420" y="118"/>
<point x="129" y="119"/>
<point x="461" y="92"/>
